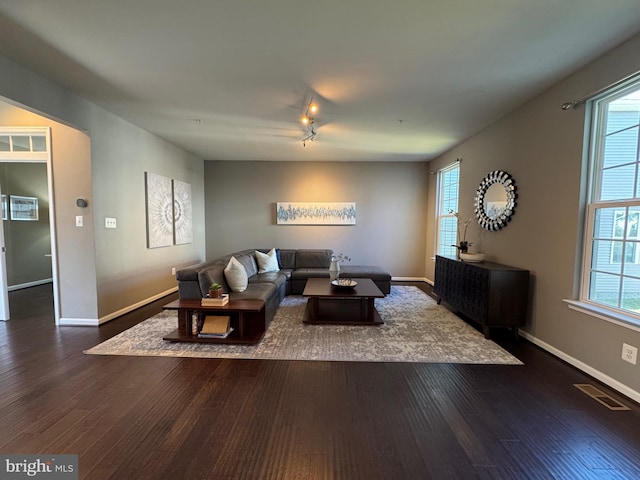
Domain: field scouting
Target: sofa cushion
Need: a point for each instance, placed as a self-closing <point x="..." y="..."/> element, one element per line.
<point x="286" y="258"/>
<point x="286" y="272"/>
<point x="365" y="271"/>
<point x="305" y="273"/>
<point x="214" y="273"/>
<point x="313" y="258"/>
<point x="257" y="291"/>
<point x="248" y="261"/>
<point x="277" y="278"/>
<point x="267" y="262"/>
<point x="236" y="275"/>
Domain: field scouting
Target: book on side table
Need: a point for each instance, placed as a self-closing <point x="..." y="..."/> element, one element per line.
<point x="215" y="302"/>
<point x="215" y="326"/>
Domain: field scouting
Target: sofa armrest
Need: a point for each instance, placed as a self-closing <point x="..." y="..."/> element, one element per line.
<point x="189" y="273"/>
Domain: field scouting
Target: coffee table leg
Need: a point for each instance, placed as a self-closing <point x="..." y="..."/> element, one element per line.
<point x="370" y="309"/>
<point x="314" y="310"/>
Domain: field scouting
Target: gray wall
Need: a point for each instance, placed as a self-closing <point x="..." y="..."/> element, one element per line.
<point x="28" y="242"/>
<point x="391" y="209"/>
<point x="542" y="147"/>
<point x="103" y="159"/>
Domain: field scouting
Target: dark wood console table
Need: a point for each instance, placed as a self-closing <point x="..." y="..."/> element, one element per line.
<point x="247" y="318"/>
<point x="491" y="294"/>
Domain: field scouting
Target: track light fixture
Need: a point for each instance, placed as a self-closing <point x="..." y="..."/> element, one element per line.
<point x="310" y="137"/>
<point x="308" y="121"/>
<point x="312" y="109"/>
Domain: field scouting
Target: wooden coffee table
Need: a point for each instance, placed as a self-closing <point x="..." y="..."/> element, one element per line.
<point x="328" y="304"/>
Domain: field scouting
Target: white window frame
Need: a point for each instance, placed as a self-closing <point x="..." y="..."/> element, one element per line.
<point x="596" y="134"/>
<point x="440" y="215"/>
<point x="625" y="234"/>
<point x="30" y="155"/>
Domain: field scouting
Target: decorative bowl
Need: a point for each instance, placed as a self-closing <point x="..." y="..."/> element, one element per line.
<point x="344" y="283"/>
<point x="472" y="257"/>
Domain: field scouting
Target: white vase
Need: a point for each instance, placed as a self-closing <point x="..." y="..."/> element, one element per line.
<point x="334" y="270"/>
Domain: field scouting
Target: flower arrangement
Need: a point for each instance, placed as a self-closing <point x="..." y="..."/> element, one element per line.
<point x="341" y="257"/>
<point x="334" y="268"/>
<point x="463" y="246"/>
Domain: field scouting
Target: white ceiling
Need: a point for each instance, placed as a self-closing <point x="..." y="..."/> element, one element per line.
<point x="399" y="80"/>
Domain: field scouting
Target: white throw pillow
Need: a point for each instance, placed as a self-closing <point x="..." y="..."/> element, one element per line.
<point x="236" y="275"/>
<point x="267" y="262"/>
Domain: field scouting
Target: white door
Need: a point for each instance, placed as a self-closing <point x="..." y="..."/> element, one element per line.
<point x="4" y="295"/>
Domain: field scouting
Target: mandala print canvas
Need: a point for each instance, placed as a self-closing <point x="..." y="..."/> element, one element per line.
<point x="182" y="212"/>
<point x="159" y="210"/>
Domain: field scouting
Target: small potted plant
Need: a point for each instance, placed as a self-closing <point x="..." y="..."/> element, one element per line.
<point x="215" y="290"/>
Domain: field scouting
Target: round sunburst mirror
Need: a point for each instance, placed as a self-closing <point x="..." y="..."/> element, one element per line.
<point x="495" y="200"/>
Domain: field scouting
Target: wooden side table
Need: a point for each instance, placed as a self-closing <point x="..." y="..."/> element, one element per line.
<point x="247" y="318"/>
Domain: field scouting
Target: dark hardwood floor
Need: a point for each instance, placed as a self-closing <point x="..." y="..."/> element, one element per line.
<point x="173" y="418"/>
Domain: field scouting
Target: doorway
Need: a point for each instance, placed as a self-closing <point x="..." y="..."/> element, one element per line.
<point x="27" y="253"/>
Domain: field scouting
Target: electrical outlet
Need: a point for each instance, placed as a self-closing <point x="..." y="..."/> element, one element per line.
<point x="629" y="353"/>
<point x="173" y="271"/>
<point x="109" y="222"/>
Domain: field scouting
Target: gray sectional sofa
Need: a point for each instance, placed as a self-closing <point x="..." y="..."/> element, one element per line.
<point x="295" y="267"/>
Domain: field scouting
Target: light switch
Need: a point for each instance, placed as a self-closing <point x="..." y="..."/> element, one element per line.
<point x="109" y="222"/>
<point x="79" y="221"/>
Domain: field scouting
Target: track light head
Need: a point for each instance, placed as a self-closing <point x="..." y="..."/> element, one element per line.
<point x="308" y="121"/>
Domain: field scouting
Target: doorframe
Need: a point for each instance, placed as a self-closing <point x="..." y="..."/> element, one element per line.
<point x="41" y="157"/>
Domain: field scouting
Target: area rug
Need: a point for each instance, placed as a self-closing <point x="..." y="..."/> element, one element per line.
<point x="416" y="329"/>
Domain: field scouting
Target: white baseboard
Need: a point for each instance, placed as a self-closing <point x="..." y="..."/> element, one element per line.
<point x="96" y="322"/>
<point x="20" y="286"/>
<point x="78" y="322"/>
<point x="606" y="379"/>
<point x="411" y="279"/>
<point x="137" y="305"/>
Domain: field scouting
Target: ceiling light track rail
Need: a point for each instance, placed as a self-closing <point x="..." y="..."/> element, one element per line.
<point x="308" y="120"/>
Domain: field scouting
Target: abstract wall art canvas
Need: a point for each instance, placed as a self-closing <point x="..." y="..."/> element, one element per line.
<point x="182" y="215"/>
<point x="316" y="213"/>
<point x="159" y="198"/>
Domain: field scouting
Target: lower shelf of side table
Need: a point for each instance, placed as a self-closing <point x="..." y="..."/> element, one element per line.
<point x="233" y="338"/>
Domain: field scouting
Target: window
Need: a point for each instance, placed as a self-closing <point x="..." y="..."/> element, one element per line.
<point x="22" y="143"/>
<point x="625" y="226"/>
<point x="447" y="223"/>
<point x="611" y="268"/>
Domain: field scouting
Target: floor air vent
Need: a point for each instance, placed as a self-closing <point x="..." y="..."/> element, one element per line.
<point x="601" y="397"/>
